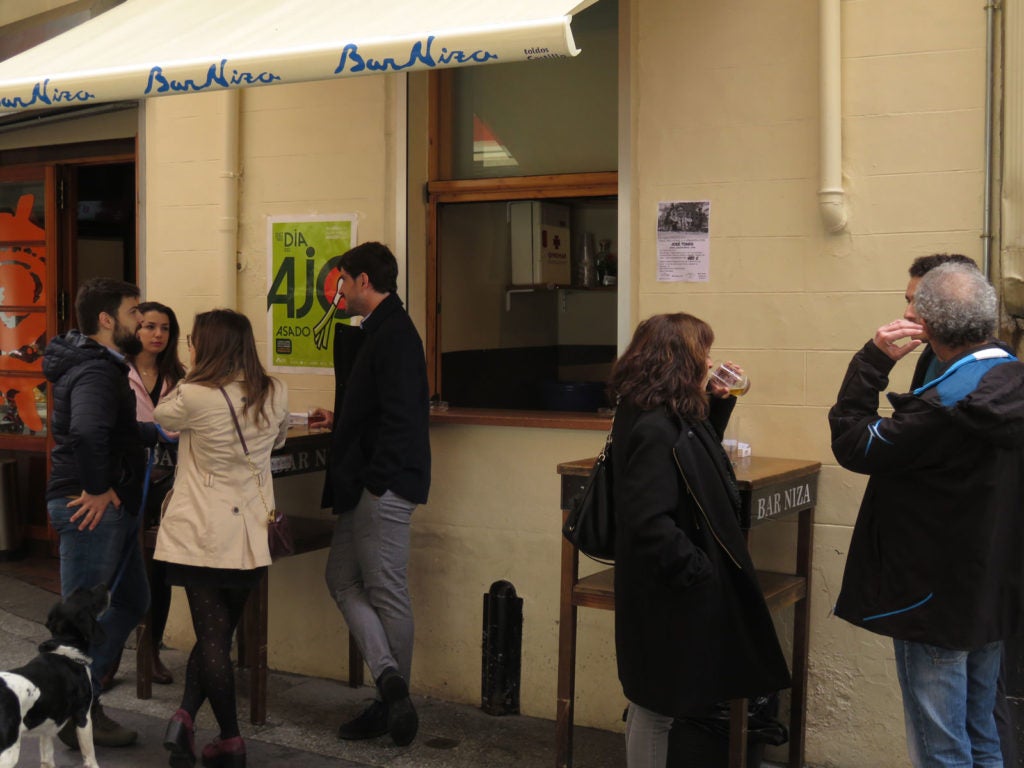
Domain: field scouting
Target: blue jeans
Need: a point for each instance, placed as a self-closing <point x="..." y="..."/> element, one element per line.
<point x="88" y="558"/>
<point x="948" y="697"/>
<point x="366" y="576"/>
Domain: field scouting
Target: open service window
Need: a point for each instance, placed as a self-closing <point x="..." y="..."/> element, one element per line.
<point x="540" y="336"/>
<point x="522" y="228"/>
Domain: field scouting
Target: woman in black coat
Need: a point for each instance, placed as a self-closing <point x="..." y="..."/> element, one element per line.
<point x="691" y="625"/>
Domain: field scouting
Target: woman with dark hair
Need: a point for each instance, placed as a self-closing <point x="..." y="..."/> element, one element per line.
<point x="153" y="372"/>
<point x="691" y="625"/>
<point x="213" y="536"/>
<point x="156" y="368"/>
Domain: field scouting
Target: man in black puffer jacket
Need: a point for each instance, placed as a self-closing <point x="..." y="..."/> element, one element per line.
<point x="98" y="463"/>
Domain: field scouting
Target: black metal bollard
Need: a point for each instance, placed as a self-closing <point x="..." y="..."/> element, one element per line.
<point x="502" y="649"/>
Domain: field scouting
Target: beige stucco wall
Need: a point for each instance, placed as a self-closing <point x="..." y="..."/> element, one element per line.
<point x="315" y="148"/>
<point x="724" y="106"/>
<point x="493" y="512"/>
<point x="115" y="125"/>
<point x="726" y="109"/>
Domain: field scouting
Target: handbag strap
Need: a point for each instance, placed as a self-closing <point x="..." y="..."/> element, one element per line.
<point x="608" y="440"/>
<point x="271" y="516"/>
<point x="234" y="418"/>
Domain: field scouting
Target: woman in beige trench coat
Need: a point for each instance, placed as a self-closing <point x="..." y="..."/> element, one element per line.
<point x="213" y="535"/>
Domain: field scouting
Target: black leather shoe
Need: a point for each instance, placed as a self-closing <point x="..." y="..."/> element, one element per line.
<point x="403" y="722"/>
<point x="369" y="724"/>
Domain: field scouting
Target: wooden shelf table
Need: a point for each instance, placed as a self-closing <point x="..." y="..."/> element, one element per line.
<point x="770" y="488"/>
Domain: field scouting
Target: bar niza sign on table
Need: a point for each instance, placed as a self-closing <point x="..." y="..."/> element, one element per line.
<point x="303" y="301"/>
<point x="782" y="498"/>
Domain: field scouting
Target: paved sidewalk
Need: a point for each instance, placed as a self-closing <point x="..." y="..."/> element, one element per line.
<point x="303" y="714"/>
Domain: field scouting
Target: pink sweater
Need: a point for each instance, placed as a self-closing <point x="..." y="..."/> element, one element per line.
<point x="143" y="405"/>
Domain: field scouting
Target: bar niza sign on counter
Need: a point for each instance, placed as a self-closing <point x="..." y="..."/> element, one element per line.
<point x="303" y="302"/>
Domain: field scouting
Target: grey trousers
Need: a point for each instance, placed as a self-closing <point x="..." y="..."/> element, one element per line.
<point x="646" y="738"/>
<point x="367" y="577"/>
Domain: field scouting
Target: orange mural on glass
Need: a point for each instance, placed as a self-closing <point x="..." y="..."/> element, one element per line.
<point x="22" y="319"/>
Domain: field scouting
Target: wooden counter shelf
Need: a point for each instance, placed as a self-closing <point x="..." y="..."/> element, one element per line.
<point x="769" y="488"/>
<point x="598" y="589"/>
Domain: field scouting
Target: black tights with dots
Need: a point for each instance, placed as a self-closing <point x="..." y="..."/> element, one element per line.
<point x="210" y="675"/>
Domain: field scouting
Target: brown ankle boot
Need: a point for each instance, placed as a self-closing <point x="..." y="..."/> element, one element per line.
<point x="161" y="674"/>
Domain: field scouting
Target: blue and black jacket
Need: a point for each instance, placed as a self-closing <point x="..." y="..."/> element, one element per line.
<point x="936" y="554"/>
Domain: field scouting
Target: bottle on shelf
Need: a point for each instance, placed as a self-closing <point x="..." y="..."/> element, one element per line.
<point x="586" y="265"/>
<point x="606" y="267"/>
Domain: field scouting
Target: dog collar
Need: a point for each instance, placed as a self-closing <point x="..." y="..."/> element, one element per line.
<point x="72" y="654"/>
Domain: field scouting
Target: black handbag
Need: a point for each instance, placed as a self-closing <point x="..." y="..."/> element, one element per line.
<point x="590" y="526"/>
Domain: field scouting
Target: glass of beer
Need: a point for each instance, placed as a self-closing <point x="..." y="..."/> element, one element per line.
<point x="731" y="376"/>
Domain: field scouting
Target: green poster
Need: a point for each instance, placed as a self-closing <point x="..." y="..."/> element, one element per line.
<point x="303" y="304"/>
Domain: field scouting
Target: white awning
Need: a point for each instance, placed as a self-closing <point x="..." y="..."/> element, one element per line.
<point x="145" y="48"/>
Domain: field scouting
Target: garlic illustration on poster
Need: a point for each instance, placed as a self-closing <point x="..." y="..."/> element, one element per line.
<point x="303" y="303"/>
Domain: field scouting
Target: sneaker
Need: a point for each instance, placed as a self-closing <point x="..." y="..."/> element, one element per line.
<point x="108" y="733"/>
<point x="105" y="732"/>
<point x="403" y="721"/>
<point x="369" y="724"/>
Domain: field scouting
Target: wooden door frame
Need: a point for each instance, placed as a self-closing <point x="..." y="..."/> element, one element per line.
<point x="57" y="165"/>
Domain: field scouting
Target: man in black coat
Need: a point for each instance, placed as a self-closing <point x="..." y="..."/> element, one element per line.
<point x="378" y="472"/>
<point x="926" y="370"/>
<point x="935" y="560"/>
<point x="98" y="462"/>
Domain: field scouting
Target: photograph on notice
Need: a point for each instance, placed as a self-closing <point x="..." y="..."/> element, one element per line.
<point x="684" y="228"/>
<point x="684" y="217"/>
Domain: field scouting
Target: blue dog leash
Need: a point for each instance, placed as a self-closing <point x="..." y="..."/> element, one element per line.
<point x="133" y="538"/>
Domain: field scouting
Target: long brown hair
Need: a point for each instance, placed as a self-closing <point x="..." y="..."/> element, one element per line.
<point x="665" y="364"/>
<point x="226" y="348"/>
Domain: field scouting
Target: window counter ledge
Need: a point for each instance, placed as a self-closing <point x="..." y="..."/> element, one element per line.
<point x="500" y="418"/>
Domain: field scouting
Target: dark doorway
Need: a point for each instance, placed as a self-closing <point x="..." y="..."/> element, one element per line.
<point x="100" y="220"/>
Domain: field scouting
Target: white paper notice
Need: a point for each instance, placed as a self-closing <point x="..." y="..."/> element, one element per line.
<point x="683" y="241"/>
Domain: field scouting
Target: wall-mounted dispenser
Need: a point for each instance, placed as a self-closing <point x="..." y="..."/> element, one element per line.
<point x="539" y="243"/>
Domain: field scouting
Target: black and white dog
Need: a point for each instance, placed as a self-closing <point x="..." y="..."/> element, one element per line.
<point x="55" y="686"/>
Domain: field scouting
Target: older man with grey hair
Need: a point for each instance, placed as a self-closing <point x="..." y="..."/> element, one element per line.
<point x="935" y="559"/>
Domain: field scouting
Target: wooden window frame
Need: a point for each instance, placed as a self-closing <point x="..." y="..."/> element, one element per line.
<point x="440" y="190"/>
